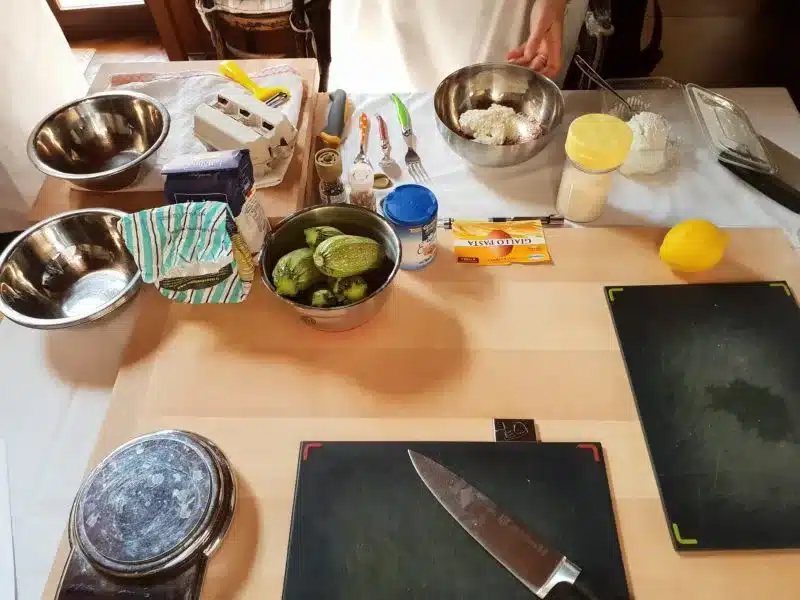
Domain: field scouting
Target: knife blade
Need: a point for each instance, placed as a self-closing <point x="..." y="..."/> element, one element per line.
<point x="544" y="571"/>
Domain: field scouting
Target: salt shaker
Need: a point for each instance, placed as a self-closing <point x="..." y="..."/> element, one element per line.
<point x="362" y="182"/>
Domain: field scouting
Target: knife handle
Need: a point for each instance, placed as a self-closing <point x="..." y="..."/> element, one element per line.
<point x="579" y="590"/>
<point x="334" y="125"/>
<point x="363" y="128"/>
<point x="402" y="115"/>
<point x="383" y="130"/>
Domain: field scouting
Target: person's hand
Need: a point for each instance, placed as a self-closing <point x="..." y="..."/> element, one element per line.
<point x="542" y="51"/>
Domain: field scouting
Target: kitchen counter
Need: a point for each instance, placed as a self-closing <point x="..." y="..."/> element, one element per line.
<point x="454" y="347"/>
<point x="50" y="444"/>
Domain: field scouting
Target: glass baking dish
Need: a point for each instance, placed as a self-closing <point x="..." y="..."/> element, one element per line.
<point x="698" y="119"/>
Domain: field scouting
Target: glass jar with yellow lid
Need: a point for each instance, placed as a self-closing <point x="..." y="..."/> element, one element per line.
<point x="596" y="146"/>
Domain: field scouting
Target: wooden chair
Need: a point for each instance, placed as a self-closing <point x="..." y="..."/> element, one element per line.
<point x="292" y="29"/>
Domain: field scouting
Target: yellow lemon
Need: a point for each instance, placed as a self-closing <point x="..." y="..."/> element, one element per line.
<point x="693" y="245"/>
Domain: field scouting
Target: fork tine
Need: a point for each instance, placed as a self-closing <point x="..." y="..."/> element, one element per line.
<point x="413" y="170"/>
<point x="418" y="172"/>
<point x="424" y="173"/>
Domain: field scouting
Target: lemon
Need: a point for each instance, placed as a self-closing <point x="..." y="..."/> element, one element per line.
<point x="694" y="245"/>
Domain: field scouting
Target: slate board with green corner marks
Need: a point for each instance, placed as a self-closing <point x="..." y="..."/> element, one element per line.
<point x="715" y="370"/>
<point x="365" y="526"/>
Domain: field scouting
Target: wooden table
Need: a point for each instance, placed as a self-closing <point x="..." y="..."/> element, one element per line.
<point x="455" y="346"/>
<point x="57" y="196"/>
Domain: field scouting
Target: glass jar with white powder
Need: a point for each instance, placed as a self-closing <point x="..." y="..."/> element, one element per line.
<point x="596" y="146"/>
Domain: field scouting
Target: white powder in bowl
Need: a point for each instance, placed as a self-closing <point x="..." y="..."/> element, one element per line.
<point x="649" y="150"/>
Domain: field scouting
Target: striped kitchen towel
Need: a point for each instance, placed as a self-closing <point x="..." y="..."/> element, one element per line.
<point x="192" y="252"/>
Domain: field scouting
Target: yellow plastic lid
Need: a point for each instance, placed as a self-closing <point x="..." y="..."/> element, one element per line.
<point x="598" y="142"/>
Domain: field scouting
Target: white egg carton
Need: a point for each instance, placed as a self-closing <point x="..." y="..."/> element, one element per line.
<point x="237" y="120"/>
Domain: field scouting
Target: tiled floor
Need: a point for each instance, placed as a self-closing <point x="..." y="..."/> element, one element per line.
<point x="129" y="50"/>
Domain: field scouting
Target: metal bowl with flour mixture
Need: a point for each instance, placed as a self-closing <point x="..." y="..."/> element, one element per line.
<point x="480" y="86"/>
<point x="67" y="270"/>
<point x="99" y="142"/>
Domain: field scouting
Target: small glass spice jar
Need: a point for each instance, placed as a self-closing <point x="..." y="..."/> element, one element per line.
<point x="596" y="146"/>
<point x="362" y="185"/>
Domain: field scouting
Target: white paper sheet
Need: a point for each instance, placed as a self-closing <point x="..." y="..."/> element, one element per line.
<point x="7" y="585"/>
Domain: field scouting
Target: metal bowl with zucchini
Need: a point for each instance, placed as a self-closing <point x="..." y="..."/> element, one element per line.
<point x="332" y="264"/>
<point x="67" y="270"/>
<point x="533" y="96"/>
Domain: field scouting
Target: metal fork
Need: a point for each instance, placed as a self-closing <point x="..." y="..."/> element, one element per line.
<point x="277" y="100"/>
<point x="413" y="161"/>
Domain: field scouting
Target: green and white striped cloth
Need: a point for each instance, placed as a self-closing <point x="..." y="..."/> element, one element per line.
<point x="193" y="253"/>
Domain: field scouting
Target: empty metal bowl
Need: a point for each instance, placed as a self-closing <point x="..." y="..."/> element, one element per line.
<point x="354" y="220"/>
<point x="99" y="142"/>
<point x="67" y="270"/>
<point x="480" y="86"/>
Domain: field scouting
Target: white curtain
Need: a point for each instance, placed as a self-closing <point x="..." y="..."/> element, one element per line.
<point x="38" y="72"/>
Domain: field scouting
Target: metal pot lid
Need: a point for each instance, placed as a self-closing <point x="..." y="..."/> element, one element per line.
<point x="728" y="130"/>
<point x="154" y="504"/>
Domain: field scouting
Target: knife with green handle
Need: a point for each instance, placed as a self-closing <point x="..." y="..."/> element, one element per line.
<point x="402" y="115"/>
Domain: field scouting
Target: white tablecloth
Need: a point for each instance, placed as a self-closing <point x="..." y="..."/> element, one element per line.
<point x="55" y="386"/>
<point x="697" y="188"/>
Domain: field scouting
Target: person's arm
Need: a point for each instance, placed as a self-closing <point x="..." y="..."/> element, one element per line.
<point x="542" y="50"/>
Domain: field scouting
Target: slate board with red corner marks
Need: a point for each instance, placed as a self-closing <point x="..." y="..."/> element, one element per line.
<point x="715" y="370"/>
<point x="365" y="526"/>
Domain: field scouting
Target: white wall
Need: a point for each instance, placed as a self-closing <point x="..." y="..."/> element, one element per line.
<point x="37" y="73"/>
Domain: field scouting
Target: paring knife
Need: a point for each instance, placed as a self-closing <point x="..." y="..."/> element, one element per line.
<point x="544" y="571"/>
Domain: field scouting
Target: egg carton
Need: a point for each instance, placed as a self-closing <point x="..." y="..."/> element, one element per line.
<point x="238" y="120"/>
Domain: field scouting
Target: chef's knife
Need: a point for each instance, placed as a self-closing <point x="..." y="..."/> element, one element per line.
<point x="544" y="571"/>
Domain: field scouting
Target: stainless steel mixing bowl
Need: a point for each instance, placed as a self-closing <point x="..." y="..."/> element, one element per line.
<point x="288" y="236"/>
<point x="99" y="142"/>
<point x="67" y="270"/>
<point x="480" y="86"/>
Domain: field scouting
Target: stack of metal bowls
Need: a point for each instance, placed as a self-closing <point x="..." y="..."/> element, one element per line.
<point x="99" y="142"/>
<point x="480" y="86"/>
<point x="67" y="270"/>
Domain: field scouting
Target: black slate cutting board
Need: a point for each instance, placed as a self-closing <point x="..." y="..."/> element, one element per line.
<point x="715" y="370"/>
<point x="365" y="525"/>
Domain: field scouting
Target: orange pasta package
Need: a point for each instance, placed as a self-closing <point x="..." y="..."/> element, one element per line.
<point x="501" y="243"/>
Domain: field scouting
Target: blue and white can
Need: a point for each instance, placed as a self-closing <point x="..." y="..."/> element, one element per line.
<point x="412" y="211"/>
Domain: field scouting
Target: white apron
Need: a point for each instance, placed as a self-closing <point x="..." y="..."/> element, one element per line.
<point x="384" y="46"/>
